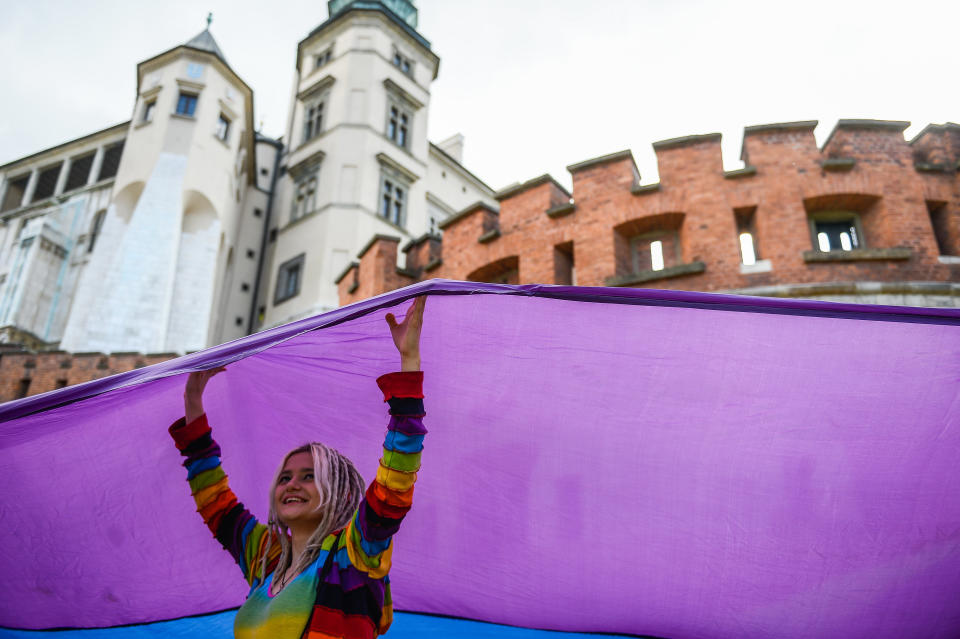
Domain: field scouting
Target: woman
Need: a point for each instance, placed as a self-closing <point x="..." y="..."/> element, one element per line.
<point x="318" y="569"/>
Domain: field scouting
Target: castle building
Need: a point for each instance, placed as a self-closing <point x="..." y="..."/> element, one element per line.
<point x="867" y="218"/>
<point x="184" y="227"/>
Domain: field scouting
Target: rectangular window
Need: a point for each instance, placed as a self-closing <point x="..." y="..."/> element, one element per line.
<point x="402" y="62"/>
<point x="313" y="119"/>
<point x="111" y="161"/>
<point x="79" y="172"/>
<point x="186" y="104"/>
<point x="16" y="187"/>
<point x="24" y="388"/>
<point x="393" y="205"/>
<point x="148" y="109"/>
<point x="223" y="127"/>
<point x="304" y="195"/>
<point x="837" y="236"/>
<point x="398" y="124"/>
<point x="46" y="182"/>
<point x="61" y="383"/>
<point x="563" y="265"/>
<point x="747" y="234"/>
<point x="323" y="59"/>
<point x="288" y="279"/>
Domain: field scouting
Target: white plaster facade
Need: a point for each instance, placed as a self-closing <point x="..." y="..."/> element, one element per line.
<point x="193" y="220"/>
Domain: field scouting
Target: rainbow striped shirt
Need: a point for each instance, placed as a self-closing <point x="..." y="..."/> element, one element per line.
<point x="353" y="602"/>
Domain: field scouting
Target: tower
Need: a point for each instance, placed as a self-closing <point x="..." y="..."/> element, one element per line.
<point x="357" y="152"/>
<point x="160" y="280"/>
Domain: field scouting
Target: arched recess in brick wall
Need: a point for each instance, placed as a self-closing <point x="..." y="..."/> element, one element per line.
<point x="502" y="271"/>
<point x="634" y="245"/>
<point x="843" y="221"/>
<point x="125" y="201"/>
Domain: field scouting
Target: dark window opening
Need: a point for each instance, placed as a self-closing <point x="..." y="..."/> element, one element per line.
<point x="148" y="110"/>
<point x="15" y="190"/>
<point x="187" y="104"/>
<point x="238" y="321"/>
<point x="947" y="235"/>
<point x="223" y="127"/>
<point x="111" y="161"/>
<point x="95" y="228"/>
<point x="289" y="278"/>
<point x="273" y="236"/>
<point x="24" y="388"/>
<point x="61" y="383"/>
<point x="244" y="287"/>
<point x="563" y="265"/>
<point x="251" y="253"/>
<point x="393" y="202"/>
<point x="257" y="212"/>
<point x="836" y="235"/>
<point x="79" y="172"/>
<point x="46" y="182"/>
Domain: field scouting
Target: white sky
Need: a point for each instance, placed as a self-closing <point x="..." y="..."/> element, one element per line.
<point x="533" y="85"/>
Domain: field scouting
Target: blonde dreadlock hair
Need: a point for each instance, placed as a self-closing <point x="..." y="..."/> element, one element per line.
<point x="340" y="488"/>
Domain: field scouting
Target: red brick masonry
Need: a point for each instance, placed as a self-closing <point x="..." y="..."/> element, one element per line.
<point x="904" y="195"/>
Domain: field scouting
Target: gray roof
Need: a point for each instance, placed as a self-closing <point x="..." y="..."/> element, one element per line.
<point x="205" y="42"/>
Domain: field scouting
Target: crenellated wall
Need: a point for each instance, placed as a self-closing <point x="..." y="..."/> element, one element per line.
<point x="901" y="199"/>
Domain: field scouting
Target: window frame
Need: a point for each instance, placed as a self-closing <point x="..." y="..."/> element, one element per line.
<point x="187" y="94"/>
<point x="399" y="127"/>
<point x="303" y="193"/>
<point x="313" y="117"/>
<point x="835" y="216"/>
<point x="283" y="292"/>
<point x="222" y="132"/>
<point x="402" y="62"/>
<point x="149" y="108"/>
<point x="323" y="58"/>
<point x="392" y="204"/>
<point x="647" y="239"/>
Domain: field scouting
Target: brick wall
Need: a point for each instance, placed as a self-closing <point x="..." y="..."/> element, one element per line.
<point x="26" y="373"/>
<point x="905" y="197"/>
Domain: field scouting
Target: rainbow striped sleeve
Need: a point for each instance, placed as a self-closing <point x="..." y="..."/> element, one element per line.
<point x="233" y="525"/>
<point x="389" y="496"/>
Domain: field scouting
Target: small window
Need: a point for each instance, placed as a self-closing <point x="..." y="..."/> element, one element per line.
<point x="46" y="182"/>
<point x="95" y="228"/>
<point x="187" y="104"/>
<point x="288" y="279"/>
<point x="748" y="256"/>
<point x="61" y="383"/>
<point x="264" y="171"/>
<point x="393" y="204"/>
<point x="257" y="212"/>
<point x="272" y="237"/>
<point x="148" y="108"/>
<point x="564" y="273"/>
<point x="24" y="388"/>
<point x="313" y="119"/>
<point x="323" y="59"/>
<point x="79" y="172"/>
<point x="111" y="161"/>
<point x="836" y="235"/>
<point x="238" y="321"/>
<point x="251" y="254"/>
<point x="304" y="196"/>
<point x="16" y="187"/>
<point x="223" y="127"/>
<point x="244" y="287"/>
<point x="398" y="124"/>
<point x="402" y="62"/>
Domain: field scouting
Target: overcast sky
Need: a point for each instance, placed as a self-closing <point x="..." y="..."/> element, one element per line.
<point x="533" y="85"/>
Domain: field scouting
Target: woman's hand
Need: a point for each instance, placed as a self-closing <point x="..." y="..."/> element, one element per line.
<point x="406" y="335"/>
<point x="193" y="393"/>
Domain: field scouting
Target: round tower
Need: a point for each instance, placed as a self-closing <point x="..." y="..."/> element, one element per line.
<point x="174" y="210"/>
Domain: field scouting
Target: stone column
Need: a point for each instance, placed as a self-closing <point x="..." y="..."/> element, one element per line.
<point x="95" y="168"/>
<point x="31" y="187"/>
<point x="62" y="178"/>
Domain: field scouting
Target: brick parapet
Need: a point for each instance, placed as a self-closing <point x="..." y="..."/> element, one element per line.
<point x="874" y="175"/>
<point x="40" y="372"/>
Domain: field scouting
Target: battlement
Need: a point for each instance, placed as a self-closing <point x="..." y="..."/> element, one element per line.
<point x="769" y="224"/>
<point x="28" y="372"/>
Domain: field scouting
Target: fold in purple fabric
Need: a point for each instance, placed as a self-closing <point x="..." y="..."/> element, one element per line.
<point x="611" y="460"/>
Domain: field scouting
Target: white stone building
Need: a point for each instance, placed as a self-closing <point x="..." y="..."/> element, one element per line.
<point x="184" y="227"/>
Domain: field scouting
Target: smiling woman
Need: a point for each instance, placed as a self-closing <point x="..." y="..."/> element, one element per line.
<point x="319" y="567"/>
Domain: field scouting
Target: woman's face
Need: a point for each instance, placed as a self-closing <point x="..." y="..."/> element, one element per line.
<point x="296" y="495"/>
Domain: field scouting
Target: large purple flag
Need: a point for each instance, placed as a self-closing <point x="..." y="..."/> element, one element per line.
<point x="644" y="462"/>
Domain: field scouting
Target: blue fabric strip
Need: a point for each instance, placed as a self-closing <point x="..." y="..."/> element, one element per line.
<point x="403" y="443"/>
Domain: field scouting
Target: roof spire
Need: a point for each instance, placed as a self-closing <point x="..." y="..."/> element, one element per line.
<point x="209" y="19"/>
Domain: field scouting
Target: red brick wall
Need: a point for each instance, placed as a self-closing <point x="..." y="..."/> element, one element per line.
<point x="865" y="167"/>
<point x="42" y="372"/>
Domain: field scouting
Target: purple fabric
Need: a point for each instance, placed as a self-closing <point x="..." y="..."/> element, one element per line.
<point x="648" y="462"/>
